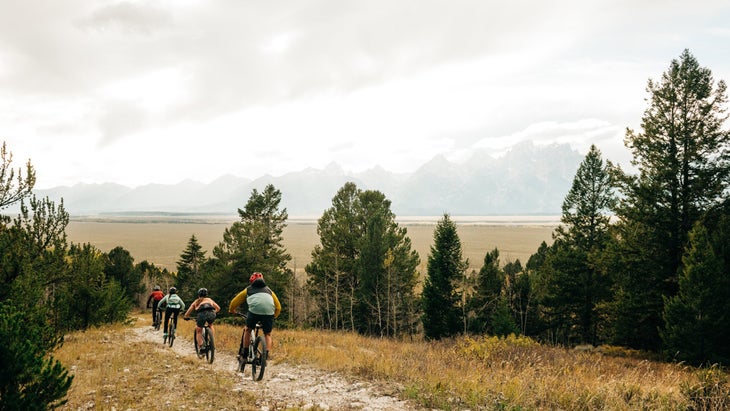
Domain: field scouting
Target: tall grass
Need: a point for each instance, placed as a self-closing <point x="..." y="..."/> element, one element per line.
<point x="465" y="373"/>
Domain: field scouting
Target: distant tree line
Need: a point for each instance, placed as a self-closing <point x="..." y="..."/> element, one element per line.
<point x="639" y="260"/>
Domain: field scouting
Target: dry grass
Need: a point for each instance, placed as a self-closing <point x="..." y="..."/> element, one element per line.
<point x="162" y="242"/>
<point x="114" y="370"/>
<point x="111" y="369"/>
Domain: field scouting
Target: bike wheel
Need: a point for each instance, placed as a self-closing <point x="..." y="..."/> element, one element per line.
<point x="241" y="359"/>
<point x="157" y="321"/>
<point x="197" y="347"/>
<point x="171" y="336"/>
<point x="258" y="365"/>
<point x="210" y="352"/>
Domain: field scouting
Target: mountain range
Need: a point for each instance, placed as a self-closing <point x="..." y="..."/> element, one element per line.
<point x="527" y="180"/>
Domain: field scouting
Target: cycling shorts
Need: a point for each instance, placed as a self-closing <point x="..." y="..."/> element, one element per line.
<point x="267" y="321"/>
<point x="205" y="316"/>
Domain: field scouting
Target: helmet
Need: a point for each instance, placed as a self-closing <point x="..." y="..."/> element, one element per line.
<point x="173" y="290"/>
<point x="203" y="292"/>
<point x="157" y="288"/>
<point x="255" y="276"/>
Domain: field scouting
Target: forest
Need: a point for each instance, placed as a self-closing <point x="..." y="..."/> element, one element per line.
<point x="640" y="260"/>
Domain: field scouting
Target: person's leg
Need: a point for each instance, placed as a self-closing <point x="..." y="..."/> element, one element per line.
<point x="199" y="336"/>
<point x="167" y="321"/>
<point x="269" y="341"/>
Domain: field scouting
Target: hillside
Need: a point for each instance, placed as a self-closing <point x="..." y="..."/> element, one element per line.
<point x="325" y="370"/>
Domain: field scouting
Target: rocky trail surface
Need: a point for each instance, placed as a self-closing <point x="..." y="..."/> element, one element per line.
<point x="285" y="386"/>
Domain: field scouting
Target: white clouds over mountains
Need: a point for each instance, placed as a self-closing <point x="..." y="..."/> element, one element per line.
<point x="135" y="92"/>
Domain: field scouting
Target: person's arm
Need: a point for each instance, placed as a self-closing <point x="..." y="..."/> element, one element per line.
<point x="190" y="310"/>
<point x="237" y="301"/>
<point x="159" y="304"/>
<point x="182" y="304"/>
<point x="148" y="300"/>
<point x="277" y="305"/>
<point x="215" y="305"/>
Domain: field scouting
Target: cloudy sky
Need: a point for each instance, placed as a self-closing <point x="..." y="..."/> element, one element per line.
<point x="159" y="91"/>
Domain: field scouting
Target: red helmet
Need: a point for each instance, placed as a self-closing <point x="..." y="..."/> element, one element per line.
<point x="255" y="276"/>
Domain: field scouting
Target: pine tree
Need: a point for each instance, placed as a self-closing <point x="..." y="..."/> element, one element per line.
<point x="120" y="266"/>
<point x="189" y="268"/>
<point x="32" y="261"/>
<point x="487" y="294"/>
<point x="683" y="159"/>
<point x="697" y="317"/>
<point x="363" y="272"/>
<point x="576" y="287"/>
<point x="441" y="298"/>
<point x="254" y="243"/>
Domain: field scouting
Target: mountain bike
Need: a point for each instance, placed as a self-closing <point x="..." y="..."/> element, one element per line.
<point x="171" y="332"/>
<point x="157" y="320"/>
<point x="257" y="352"/>
<point x="169" y="338"/>
<point x="208" y="348"/>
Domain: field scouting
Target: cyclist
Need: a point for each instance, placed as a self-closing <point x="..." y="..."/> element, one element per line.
<point x="206" y="308"/>
<point x="263" y="305"/>
<point x="173" y="304"/>
<point x="154" y="298"/>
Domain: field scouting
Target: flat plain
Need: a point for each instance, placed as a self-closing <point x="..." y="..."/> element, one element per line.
<point x="161" y="240"/>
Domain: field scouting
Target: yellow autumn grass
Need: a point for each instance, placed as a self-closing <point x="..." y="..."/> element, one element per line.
<point x="114" y="370"/>
<point x="465" y="373"/>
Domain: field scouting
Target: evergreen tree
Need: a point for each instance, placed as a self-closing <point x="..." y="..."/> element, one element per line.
<point x="698" y="317"/>
<point x="683" y="159"/>
<point x="89" y="297"/>
<point x="32" y="262"/>
<point x="189" y="268"/>
<point x="487" y="294"/>
<point x="363" y="272"/>
<point x="386" y="269"/>
<point x="331" y="273"/>
<point x="254" y="243"/>
<point x="14" y="187"/>
<point x="577" y="288"/>
<point x="31" y="379"/>
<point x="120" y="266"/>
<point x="441" y="299"/>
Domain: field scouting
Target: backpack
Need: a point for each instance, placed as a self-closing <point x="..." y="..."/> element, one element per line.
<point x="173" y="301"/>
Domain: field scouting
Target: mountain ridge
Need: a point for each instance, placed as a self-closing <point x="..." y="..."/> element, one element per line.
<point x="527" y="180"/>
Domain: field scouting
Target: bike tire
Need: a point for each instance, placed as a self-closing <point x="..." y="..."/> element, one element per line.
<point x="171" y="336"/>
<point x="197" y="348"/>
<point x="241" y="359"/>
<point x="157" y="320"/>
<point x="210" y="352"/>
<point x="258" y="365"/>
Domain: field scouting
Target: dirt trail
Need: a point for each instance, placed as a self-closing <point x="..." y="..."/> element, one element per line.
<point x="287" y="385"/>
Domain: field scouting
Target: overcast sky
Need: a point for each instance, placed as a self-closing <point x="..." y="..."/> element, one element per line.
<point x="137" y="92"/>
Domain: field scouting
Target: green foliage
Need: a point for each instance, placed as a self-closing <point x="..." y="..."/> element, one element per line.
<point x="189" y="269"/>
<point x="120" y="267"/>
<point x="697" y="317"/>
<point x="254" y="243"/>
<point x="441" y="297"/>
<point x="483" y="303"/>
<point x="30" y="380"/>
<point x="363" y="272"/>
<point x="683" y="158"/>
<point x="88" y="297"/>
<point x="14" y="187"/>
<point x="502" y="319"/>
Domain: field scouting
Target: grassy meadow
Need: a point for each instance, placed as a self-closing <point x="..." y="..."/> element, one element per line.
<point x="467" y="373"/>
<point x="161" y="241"/>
